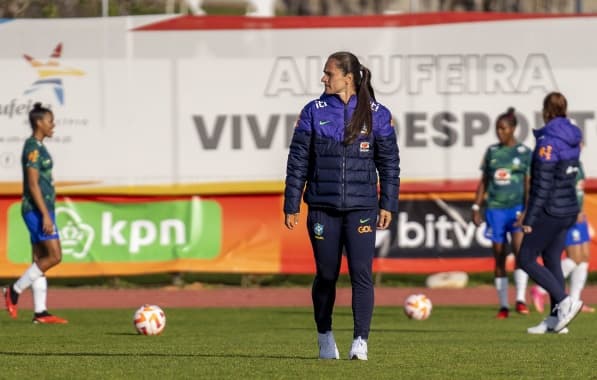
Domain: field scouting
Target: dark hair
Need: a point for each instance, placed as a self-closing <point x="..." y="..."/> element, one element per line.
<point x="37" y="113"/>
<point x="509" y="117"/>
<point x="554" y="105"/>
<point x="349" y="63"/>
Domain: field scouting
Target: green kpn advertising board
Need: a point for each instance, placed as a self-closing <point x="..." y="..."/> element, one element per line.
<point x="126" y="232"/>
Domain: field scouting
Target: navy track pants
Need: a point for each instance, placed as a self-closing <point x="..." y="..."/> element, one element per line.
<point x="330" y="231"/>
<point x="547" y="239"/>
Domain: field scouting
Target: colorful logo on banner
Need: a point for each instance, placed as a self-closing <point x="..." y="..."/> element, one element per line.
<point x="50" y="74"/>
<point x="127" y="232"/>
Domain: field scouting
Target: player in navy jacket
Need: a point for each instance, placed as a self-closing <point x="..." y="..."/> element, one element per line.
<point x="343" y="145"/>
<point x="552" y="208"/>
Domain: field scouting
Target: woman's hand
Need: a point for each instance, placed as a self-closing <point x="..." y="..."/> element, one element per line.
<point x="384" y="219"/>
<point x="291" y="220"/>
<point x="520" y="219"/>
<point x="47" y="225"/>
<point x="477" y="218"/>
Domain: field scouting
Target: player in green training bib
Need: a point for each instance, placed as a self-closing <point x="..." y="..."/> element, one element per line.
<point x="37" y="208"/>
<point x="36" y="156"/>
<point x="504" y="187"/>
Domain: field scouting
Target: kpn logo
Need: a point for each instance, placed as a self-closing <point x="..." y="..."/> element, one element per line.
<point x="76" y="236"/>
<point x="127" y="232"/>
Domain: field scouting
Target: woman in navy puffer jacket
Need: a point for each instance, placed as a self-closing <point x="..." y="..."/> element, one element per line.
<point x="344" y="144"/>
<point x="552" y="208"/>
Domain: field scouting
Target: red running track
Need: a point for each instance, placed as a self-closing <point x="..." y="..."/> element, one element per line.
<point x="62" y="298"/>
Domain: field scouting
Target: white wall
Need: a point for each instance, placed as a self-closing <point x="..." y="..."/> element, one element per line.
<point x="133" y="118"/>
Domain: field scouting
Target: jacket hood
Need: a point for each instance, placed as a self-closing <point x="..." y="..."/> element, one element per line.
<point x="561" y="128"/>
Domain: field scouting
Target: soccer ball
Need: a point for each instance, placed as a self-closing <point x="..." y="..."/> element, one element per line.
<point x="417" y="306"/>
<point x="149" y="320"/>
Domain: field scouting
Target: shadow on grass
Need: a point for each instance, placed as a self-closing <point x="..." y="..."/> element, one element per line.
<point x="291" y="311"/>
<point x="123" y="333"/>
<point x="414" y="330"/>
<point x="150" y="355"/>
<point x="307" y="312"/>
<point x="375" y="331"/>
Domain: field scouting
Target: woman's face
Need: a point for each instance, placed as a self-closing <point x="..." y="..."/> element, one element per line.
<point x="46" y="125"/>
<point x="504" y="132"/>
<point x="334" y="80"/>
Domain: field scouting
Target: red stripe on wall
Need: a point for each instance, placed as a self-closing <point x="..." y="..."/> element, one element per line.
<point x="188" y="23"/>
<point x="465" y="185"/>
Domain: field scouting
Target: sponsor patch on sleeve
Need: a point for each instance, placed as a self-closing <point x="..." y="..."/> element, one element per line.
<point x="33" y="156"/>
<point x="545" y="152"/>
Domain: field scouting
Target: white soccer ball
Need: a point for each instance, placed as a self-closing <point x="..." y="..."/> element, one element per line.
<point x="149" y="320"/>
<point x="417" y="306"/>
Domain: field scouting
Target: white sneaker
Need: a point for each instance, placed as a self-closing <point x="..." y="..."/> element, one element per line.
<point x="358" y="350"/>
<point x="567" y="310"/>
<point x="327" y="346"/>
<point x="546" y="327"/>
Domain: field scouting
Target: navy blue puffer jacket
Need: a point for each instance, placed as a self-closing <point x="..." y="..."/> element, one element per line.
<point x="553" y="170"/>
<point x="339" y="176"/>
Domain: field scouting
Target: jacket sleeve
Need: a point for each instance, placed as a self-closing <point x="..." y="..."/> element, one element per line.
<point x="543" y="171"/>
<point x="297" y="165"/>
<point x="387" y="162"/>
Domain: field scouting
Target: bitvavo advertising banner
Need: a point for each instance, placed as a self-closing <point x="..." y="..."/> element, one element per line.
<point x="191" y="105"/>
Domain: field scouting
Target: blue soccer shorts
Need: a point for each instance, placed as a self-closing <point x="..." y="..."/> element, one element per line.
<point x="500" y="221"/>
<point x="578" y="234"/>
<point x="34" y="222"/>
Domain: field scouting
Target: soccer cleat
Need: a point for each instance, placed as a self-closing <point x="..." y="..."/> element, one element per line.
<point x="327" y="346"/>
<point x="48" y="319"/>
<point x="521" y="308"/>
<point x="11" y="308"/>
<point x="587" y="309"/>
<point x="538" y="295"/>
<point x="358" y="350"/>
<point x="567" y="309"/>
<point x="503" y="313"/>
<point x="546" y="327"/>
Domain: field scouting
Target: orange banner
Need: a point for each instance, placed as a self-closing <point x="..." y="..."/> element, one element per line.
<point x="431" y="234"/>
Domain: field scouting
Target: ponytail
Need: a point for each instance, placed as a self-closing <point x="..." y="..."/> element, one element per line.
<point x="362" y="119"/>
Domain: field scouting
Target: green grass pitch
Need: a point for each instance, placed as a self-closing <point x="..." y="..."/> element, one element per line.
<point x="281" y="343"/>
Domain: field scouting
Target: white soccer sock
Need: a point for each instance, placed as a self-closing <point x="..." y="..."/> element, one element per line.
<point x="578" y="278"/>
<point x="39" y="288"/>
<point x="31" y="274"/>
<point x="568" y="266"/>
<point x="521" y="278"/>
<point x="501" y="285"/>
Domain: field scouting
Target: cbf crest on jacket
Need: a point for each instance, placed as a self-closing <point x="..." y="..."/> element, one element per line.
<point x="554" y="167"/>
<point x="340" y="176"/>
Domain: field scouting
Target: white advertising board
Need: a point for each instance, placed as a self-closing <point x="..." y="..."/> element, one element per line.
<point x="186" y="106"/>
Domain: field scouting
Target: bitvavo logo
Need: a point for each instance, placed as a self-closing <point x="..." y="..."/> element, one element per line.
<point x="439" y="232"/>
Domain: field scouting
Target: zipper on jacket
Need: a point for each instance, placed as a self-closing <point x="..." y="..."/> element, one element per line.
<point x="344" y="157"/>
